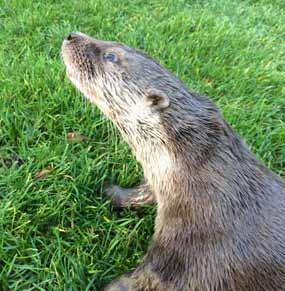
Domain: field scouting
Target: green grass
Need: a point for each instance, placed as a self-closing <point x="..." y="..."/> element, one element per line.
<point x="58" y="232"/>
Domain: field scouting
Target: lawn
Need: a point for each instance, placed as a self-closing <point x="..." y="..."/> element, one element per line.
<point x="57" y="232"/>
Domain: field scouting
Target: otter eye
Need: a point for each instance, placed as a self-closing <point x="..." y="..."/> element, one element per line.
<point x="111" y="57"/>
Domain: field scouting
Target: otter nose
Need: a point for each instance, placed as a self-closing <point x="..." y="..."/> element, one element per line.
<point x="72" y="36"/>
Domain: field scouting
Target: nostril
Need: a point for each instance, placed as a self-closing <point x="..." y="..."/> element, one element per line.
<point x="68" y="37"/>
<point x="71" y="36"/>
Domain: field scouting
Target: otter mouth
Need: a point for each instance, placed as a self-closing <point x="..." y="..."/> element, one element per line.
<point x="69" y="58"/>
<point x="79" y="55"/>
<point x="80" y="64"/>
<point x="72" y="74"/>
<point x="73" y="55"/>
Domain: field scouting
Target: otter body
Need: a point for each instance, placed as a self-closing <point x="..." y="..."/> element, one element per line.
<point x="220" y="222"/>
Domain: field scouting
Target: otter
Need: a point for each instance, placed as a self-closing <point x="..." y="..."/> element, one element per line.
<point x="220" y="221"/>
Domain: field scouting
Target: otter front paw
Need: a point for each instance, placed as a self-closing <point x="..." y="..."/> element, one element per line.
<point x="130" y="197"/>
<point x="117" y="195"/>
<point x="120" y="284"/>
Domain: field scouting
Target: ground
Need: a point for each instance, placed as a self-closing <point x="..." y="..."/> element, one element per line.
<point x="57" y="232"/>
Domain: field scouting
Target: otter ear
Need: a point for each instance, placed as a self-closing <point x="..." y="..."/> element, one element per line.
<point x="156" y="99"/>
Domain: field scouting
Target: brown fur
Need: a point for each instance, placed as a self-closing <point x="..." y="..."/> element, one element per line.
<point x="220" y="221"/>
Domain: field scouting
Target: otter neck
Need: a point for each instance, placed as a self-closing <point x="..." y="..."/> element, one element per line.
<point x="199" y="177"/>
<point x="197" y="194"/>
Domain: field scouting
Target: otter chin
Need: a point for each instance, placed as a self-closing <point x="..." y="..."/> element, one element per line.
<point x="220" y="221"/>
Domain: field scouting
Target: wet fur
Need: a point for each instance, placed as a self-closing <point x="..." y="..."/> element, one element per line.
<point x="220" y="222"/>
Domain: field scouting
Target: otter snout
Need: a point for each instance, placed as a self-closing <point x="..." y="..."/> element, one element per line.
<point x="78" y="45"/>
<point x="73" y="36"/>
<point x="77" y="54"/>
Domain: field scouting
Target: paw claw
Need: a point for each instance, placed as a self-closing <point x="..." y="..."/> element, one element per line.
<point x="114" y="193"/>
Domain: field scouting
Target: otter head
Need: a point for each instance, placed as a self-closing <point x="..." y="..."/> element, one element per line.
<point x="148" y="103"/>
<point x="127" y="85"/>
